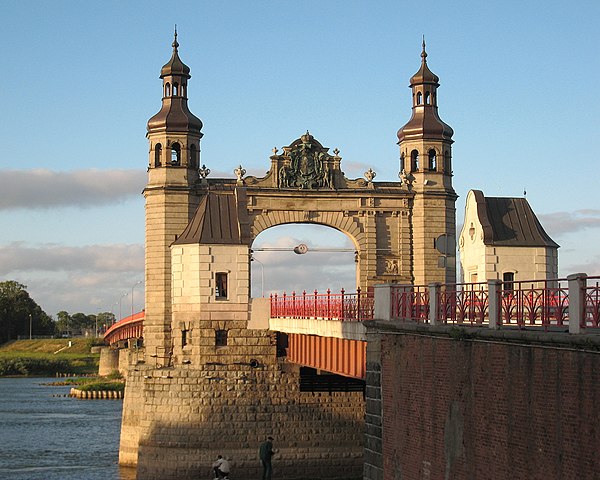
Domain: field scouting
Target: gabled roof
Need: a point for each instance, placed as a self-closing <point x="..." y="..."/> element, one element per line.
<point x="508" y="221"/>
<point x="215" y="222"/>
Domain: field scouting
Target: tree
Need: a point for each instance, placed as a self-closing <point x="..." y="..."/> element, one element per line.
<point x="20" y="314"/>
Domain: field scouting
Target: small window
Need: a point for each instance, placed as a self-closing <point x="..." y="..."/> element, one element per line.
<point x="427" y="98"/>
<point x="185" y="337"/>
<point x="157" y="154"/>
<point x="220" y="338"/>
<point x="175" y="89"/>
<point x="447" y="166"/>
<point x="419" y="98"/>
<point x="414" y="158"/>
<point x="175" y="154"/>
<point x="432" y="160"/>
<point x="168" y="90"/>
<point x="508" y="279"/>
<point x="221" y="286"/>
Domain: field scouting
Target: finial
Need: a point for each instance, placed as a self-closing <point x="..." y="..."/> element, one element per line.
<point x="424" y="53"/>
<point x="175" y="44"/>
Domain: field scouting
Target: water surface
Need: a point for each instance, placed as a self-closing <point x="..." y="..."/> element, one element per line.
<point x="46" y="436"/>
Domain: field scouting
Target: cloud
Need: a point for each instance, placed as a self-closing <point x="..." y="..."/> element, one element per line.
<point x="560" y="223"/>
<point x="77" y="279"/>
<point x="20" y="257"/>
<point x="44" y="189"/>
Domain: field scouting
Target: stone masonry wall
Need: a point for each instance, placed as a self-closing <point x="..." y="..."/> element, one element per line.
<point x="177" y="420"/>
<point x="496" y="406"/>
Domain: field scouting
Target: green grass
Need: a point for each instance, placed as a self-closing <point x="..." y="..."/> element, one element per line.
<point x="41" y="357"/>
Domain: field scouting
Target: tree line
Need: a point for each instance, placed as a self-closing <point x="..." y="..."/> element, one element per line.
<point x="21" y="316"/>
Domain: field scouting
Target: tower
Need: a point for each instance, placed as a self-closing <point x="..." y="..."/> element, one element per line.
<point x="174" y="134"/>
<point x="426" y="162"/>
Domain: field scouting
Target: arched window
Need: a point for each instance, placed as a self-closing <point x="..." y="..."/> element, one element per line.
<point x="427" y="98"/>
<point x="167" y="89"/>
<point x="402" y="166"/>
<point x="432" y="160"/>
<point x="447" y="164"/>
<point x="414" y="161"/>
<point x="193" y="156"/>
<point x="175" y="88"/>
<point x="175" y="154"/>
<point x="419" y="98"/>
<point x="183" y="90"/>
<point x="157" y="154"/>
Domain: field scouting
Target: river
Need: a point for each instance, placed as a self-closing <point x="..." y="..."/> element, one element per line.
<point x="46" y="436"/>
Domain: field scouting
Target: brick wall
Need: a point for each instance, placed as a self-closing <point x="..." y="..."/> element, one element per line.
<point x="498" y="406"/>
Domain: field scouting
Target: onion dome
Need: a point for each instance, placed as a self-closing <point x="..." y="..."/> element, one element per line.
<point x="425" y="121"/>
<point x="424" y="75"/>
<point x="175" y="66"/>
<point x="175" y="116"/>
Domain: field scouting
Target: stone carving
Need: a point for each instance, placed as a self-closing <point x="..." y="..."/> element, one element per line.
<point x="204" y="172"/>
<point x="308" y="168"/>
<point x="239" y="173"/>
<point x="391" y="267"/>
<point x="370" y="175"/>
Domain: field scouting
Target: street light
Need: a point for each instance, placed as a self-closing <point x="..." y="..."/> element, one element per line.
<point x="134" y="285"/>
<point x="30" y="323"/>
<point x="120" y="299"/>
<point x="262" y="275"/>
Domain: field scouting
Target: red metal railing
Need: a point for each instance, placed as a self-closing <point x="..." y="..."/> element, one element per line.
<point x="328" y="306"/>
<point x="535" y="302"/>
<point x="542" y="303"/>
<point x="592" y="304"/>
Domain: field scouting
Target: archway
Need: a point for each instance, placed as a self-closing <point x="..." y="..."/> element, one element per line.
<point x="329" y="263"/>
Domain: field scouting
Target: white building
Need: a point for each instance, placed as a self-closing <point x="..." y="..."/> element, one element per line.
<point x="502" y="239"/>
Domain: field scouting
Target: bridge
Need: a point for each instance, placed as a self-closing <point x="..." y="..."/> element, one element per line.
<point x="325" y="331"/>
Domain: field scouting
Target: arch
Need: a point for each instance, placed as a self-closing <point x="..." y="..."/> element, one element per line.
<point x="193" y="156"/>
<point x="175" y="89"/>
<point x="167" y="89"/>
<point x="175" y="154"/>
<point x="432" y="160"/>
<point x="414" y="161"/>
<point x="316" y="269"/>
<point x="419" y="98"/>
<point x="157" y="155"/>
<point x="402" y="166"/>
<point x="427" y="98"/>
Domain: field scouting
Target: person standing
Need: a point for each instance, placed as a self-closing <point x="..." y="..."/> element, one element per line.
<point x="266" y="452"/>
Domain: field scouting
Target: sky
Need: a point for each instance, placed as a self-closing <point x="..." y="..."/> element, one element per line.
<point x="81" y="79"/>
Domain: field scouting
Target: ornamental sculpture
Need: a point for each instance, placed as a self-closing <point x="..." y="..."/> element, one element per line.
<point x="308" y="167"/>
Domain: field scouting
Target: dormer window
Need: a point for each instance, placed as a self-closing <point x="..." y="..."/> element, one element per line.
<point x="175" y="154"/>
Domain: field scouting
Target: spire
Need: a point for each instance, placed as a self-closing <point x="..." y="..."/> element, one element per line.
<point x="175" y="114"/>
<point x="425" y="121"/>
<point x="424" y="75"/>
<point x="175" y="66"/>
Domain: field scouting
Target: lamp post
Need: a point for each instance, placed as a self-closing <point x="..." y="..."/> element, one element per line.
<point x="120" y="299"/>
<point x="30" y="324"/>
<point x="134" y="285"/>
<point x="262" y="275"/>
